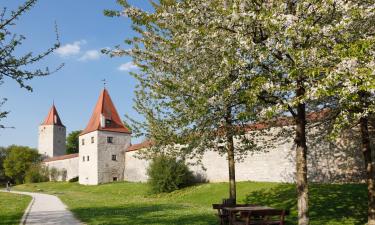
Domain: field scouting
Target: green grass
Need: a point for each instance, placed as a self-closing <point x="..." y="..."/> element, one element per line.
<point x="12" y="207"/>
<point x="131" y="203"/>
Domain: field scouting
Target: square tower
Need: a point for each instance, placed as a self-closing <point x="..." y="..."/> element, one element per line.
<point x="102" y="145"/>
<point x="52" y="135"/>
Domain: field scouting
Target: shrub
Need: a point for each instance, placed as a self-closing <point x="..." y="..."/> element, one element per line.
<point x="53" y="174"/>
<point x="74" y="179"/>
<point x="167" y="174"/>
<point x="64" y="174"/>
<point x="36" y="173"/>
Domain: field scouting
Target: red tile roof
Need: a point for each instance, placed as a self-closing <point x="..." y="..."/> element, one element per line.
<point x="105" y="117"/>
<point x="144" y="144"/>
<point x="61" y="157"/>
<point x="279" y="122"/>
<point x="53" y="117"/>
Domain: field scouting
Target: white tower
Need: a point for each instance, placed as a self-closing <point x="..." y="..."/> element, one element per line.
<point x="102" y="145"/>
<point x="52" y="135"/>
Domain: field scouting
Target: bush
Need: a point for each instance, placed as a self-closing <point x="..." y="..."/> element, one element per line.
<point x="74" y="179"/>
<point x="36" y="173"/>
<point x="167" y="174"/>
<point x="53" y="174"/>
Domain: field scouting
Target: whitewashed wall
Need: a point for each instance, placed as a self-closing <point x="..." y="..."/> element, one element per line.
<point x="327" y="162"/>
<point x="70" y="165"/>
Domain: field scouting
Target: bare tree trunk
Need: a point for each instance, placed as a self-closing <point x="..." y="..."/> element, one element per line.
<point x="230" y="151"/>
<point x="369" y="166"/>
<point x="301" y="160"/>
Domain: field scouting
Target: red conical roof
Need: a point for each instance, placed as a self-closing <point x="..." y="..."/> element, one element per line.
<point x="53" y="117"/>
<point x="105" y="117"/>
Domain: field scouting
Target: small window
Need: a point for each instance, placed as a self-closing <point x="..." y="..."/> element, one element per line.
<point x="92" y="140"/>
<point x="114" y="178"/>
<point x="114" y="157"/>
<point x="83" y="141"/>
<point x="108" y="122"/>
<point x="83" y="159"/>
<point x="110" y="140"/>
<point x="88" y="158"/>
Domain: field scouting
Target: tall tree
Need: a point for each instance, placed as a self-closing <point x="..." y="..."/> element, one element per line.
<point x="292" y="44"/>
<point x="12" y="65"/>
<point x="193" y="80"/>
<point x="352" y="82"/>
<point x="18" y="160"/>
<point x="72" y="142"/>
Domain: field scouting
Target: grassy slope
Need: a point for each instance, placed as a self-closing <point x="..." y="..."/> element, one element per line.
<point x="12" y="207"/>
<point x="130" y="203"/>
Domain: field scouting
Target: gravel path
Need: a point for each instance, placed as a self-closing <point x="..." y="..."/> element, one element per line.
<point x="47" y="209"/>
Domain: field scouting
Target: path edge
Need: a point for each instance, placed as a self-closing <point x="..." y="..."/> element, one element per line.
<point x="27" y="211"/>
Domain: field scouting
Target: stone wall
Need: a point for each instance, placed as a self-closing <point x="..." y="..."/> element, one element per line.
<point x="51" y="140"/>
<point x="88" y="169"/>
<point x="328" y="162"/>
<point x="135" y="168"/>
<point x="109" y="169"/>
<point x="70" y="165"/>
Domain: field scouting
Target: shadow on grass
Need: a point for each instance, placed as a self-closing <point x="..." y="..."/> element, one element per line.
<point x="146" y="213"/>
<point x="329" y="204"/>
<point x="10" y="218"/>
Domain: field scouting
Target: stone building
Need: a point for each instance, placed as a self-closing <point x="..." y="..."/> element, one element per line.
<point x="52" y="135"/>
<point x="102" y="145"/>
<point x="106" y="153"/>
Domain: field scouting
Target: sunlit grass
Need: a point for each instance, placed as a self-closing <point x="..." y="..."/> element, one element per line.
<point x="131" y="203"/>
<point x="12" y="207"/>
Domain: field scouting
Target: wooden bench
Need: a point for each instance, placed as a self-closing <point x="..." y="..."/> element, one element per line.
<point x="258" y="216"/>
<point x="224" y="214"/>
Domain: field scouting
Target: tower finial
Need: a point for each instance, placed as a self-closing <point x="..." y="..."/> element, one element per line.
<point x="104" y="82"/>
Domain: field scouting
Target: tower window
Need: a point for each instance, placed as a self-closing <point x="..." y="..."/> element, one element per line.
<point x="88" y="158"/>
<point x="114" y="157"/>
<point x="108" y="122"/>
<point x="83" y="159"/>
<point x="92" y="139"/>
<point x="83" y="141"/>
<point x="110" y="140"/>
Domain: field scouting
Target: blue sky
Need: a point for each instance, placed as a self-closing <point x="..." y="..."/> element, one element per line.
<point x="83" y="30"/>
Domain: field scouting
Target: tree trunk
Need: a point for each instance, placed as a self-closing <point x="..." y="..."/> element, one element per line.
<point x="230" y="151"/>
<point x="301" y="160"/>
<point x="369" y="166"/>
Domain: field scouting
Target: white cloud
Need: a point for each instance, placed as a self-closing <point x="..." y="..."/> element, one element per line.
<point x="70" y="49"/>
<point x="127" y="66"/>
<point x="90" y="55"/>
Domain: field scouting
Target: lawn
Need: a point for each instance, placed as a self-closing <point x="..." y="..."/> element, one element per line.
<point x="131" y="203"/>
<point x="12" y="207"/>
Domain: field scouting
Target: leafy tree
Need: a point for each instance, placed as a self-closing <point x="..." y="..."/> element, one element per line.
<point x="12" y="65"/>
<point x="167" y="174"/>
<point x="3" y="154"/>
<point x="19" y="160"/>
<point x="292" y="44"/>
<point x="193" y="91"/>
<point x="352" y="83"/>
<point x="37" y="173"/>
<point x="72" y="142"/>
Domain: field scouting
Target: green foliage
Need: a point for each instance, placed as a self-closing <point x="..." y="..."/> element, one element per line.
<point x="166" y="174"/>
<point x="74" y="179"/>
<point x="37" y="173"/>
<point x="3" y="154"/>
<point x="54" y="174"/>
<point x="72" y="142"/>
<point x="19" y="160"/>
